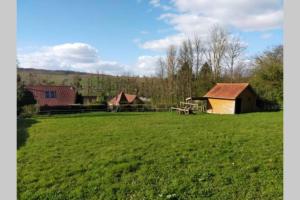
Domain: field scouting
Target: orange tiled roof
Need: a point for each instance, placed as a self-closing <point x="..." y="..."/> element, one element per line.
<point x="226" y="90"/>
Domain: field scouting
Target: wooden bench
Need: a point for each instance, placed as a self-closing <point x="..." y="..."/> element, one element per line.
<point x="184" y="110"/>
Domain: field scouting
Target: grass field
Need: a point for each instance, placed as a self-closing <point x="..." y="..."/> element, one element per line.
<point x="151" y="156"/>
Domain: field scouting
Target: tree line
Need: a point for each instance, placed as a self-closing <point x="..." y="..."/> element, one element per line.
<point x="189" y="69"/>
<point x="196" y="65"/>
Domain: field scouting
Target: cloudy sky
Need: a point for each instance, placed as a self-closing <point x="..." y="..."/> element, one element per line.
<point x="120" y="37"/>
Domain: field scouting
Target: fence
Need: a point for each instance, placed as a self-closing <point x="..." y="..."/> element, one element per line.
<point x="138" y="108"/>
<point x="49" y="110"/>
<point x="71" y="109"/>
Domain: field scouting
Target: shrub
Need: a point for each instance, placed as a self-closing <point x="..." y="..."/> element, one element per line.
<point x="29" y="110"/>
<point x="267" y="76"/>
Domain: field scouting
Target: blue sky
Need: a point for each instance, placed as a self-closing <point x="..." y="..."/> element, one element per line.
<point x="118" y="36"/>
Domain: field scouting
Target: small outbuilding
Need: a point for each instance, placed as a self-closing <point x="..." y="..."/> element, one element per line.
<point x="124" y="99"/>
<point x="231" y="98"/>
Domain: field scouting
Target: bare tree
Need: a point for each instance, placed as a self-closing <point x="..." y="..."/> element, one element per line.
<point x="185" y="63"/>
<point x="235" y="49"/>
<point x="218" y="38"/>
<point x="191" y="54"/>
<point x="171" y="61"/>
<point x="98" y="81"/>
<point x="161" y="87"/>
<point x="199" y="51"/>
<point x="171" y="71"/>
<point x="89" y="85"/>
<point x="161" y="70"/>
<point x="240" y="71"/>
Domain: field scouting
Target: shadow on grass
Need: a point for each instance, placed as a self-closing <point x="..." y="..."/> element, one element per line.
<point x="22" y="130"/>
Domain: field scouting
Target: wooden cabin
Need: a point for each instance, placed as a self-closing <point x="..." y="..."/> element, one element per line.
<point x="231" y="98"/>
<point x="124" y="99"/>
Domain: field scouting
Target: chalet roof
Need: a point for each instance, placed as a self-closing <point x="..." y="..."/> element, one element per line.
<point x="65" y="95"/>
<point x="226" y="90"/>
<point x="129" y="97"/>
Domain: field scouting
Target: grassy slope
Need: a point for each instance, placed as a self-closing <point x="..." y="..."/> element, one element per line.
<point x="152" y="155"/>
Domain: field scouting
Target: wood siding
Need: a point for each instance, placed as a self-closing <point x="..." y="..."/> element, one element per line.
<point x="248" y="101"/>
<point x="220" y="106"/>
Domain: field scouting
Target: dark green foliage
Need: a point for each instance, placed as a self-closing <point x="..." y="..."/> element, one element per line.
<point x="24" y="96"/>
<point x="27" y="98"/>
<point x="152" y="156"/>
<point x="77" y="82"/>
<point x="205" y="79"/>
<point x="184" y="77"/>
<point x="267" y="77"/>
<point x="79" y="98"/>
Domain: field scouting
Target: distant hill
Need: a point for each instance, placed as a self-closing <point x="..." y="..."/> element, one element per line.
<point x="86" y="83"/>
<point x="59" y="72"/>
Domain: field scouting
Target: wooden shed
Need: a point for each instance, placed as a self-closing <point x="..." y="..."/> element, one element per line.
<point x="231" y="98"/>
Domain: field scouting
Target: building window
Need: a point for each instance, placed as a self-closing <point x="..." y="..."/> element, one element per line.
<point x="53" y="94"/>
<point x="47" y="94"/>
<point x="50" y="94"/>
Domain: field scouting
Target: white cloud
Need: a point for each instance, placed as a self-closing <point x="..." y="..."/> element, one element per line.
<point x="189" y="23"/>
<point x="146" y="65"/>
<point x="162" y="44"/>
<point x="158" y="4"/>
<point x="155" y="3"/>
<point x="246" y="15"/>
<point x="216" y="6"/>
<point x="261" y="22"/>
<point x="197" y="16"/>
<point x="70" y="56"/>
<point x="85" y="58"/>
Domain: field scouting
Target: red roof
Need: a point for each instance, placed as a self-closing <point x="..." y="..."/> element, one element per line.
<point x="226" y="90"/>
<point x="130" y="97"/>
<point x="64" y="95"/>
<point x="123" y="96"/>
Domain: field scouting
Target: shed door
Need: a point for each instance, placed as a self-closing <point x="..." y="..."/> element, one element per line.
<point x="238" y="105"/>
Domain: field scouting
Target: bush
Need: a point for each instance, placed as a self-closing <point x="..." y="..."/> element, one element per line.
<point x="24" y="96"/>
<point x="267" y="76"/>
<point x="29" y="110"/>
<point x="265" y="105"/>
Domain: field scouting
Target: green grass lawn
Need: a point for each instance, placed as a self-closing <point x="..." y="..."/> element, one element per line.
<point x="151" y="156"/>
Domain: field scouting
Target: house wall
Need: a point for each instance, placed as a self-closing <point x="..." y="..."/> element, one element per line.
<point x="64" y="95"/>
<point x="248" y="101"/>
<point x="220" y="106"/>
